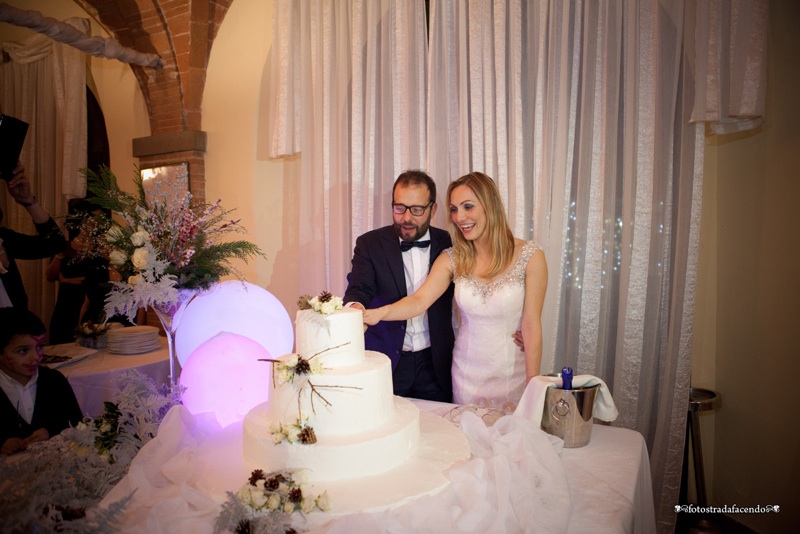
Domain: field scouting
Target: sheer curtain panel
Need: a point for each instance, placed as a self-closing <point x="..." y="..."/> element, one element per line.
<point x="348" y="95"/>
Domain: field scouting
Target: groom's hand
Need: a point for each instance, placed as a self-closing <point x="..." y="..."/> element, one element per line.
<point x="361" y="307"/>
<point x="517" y="337"/>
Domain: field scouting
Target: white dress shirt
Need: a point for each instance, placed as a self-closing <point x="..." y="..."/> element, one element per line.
<point x="416" y="265"/>
<point x="22" y="397"/>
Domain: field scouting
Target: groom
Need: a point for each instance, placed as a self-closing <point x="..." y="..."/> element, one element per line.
<point x="392" y="262"/>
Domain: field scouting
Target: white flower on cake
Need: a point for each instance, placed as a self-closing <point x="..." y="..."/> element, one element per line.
<point x="288" y="369"/>
<point x="269" y="496"/>
<point x="298" y="432"/>
<point x="324" y="303"/>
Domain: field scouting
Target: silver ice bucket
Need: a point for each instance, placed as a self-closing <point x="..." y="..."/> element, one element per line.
<point x="568" y="414"/>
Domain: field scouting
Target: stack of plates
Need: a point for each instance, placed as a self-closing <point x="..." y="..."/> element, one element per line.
<point x="133" y="340"/>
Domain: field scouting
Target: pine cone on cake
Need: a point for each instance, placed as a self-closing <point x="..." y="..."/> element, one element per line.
<point x="303" y="304"/>
<point x="302" y="367"/>
<point x="295" y="495"/>
<point x="255" y="476"/>
<point x="307" y="436"/>
<point x="271" y="484"/>
<point x="324" y="297"/>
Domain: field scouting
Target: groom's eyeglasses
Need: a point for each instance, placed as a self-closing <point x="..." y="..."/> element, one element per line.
<point x="400" y="209"/>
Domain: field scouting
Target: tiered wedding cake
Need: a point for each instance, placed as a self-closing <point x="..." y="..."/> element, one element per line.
<point x="331" y="411"/>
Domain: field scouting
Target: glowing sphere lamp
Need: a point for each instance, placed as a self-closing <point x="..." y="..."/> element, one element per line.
<point x="223" y="376"/>
<point x="236" y="307"/>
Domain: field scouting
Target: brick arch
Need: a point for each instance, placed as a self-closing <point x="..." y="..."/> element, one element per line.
<point x="181" y="32"/>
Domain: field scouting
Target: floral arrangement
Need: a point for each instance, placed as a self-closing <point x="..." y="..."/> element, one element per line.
<point x="299" y="432"/>
<point x="324" y="303"/>
<point x="165" y="242"/>
<point x="266" y="501"/>
<point x="60" y="479"/>
<point x="91" y="330"/>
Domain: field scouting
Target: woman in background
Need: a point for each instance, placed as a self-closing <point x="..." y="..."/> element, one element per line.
<point x="82" y="274"/>
<point x="500" y="284"/>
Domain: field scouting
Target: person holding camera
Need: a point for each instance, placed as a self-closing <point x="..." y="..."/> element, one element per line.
<point x="48" y="241"/>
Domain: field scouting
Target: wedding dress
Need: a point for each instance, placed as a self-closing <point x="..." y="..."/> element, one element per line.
<point x="488" y="368"/>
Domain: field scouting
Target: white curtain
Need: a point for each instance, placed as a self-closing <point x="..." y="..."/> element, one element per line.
<point x="44" y="84"/>
<point x="585" y="114"/>
<point x="579" y="110"/>
<point x="348" y="91"/>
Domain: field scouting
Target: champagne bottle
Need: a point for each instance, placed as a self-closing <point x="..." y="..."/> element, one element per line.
<point x="566" y="378"/>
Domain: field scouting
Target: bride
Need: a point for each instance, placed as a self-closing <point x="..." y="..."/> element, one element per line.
<point x="500" y="284"/>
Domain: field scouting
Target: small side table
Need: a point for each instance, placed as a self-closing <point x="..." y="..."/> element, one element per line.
<point x="700" y="400"/>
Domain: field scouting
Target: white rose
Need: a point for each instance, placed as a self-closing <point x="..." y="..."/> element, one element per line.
<point x="317" y="367"/>
<point x="259" y="499"/>
<point x="307" y="505"/>
<point x="114" y="234"/>
<point x="277" y="433"/>
<point x="292" y="434"/>
<point x="291" y="361"/>
<point x="273" y="502"/>
<point x="140" y="258"/>
<point x="135" y="279"/>
<point x="117" y="257"/>
<point x="324" y="502"/>
<point x="328" y="308"/>
<point x="283" y="376"/>
<point x="244" y="494"/>
<point x="288" y="507"/>
<point x="140" y="237"/>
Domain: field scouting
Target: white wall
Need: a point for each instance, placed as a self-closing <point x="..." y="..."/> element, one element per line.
<point x="747" y="334"/>
<point x="237" y="171"/>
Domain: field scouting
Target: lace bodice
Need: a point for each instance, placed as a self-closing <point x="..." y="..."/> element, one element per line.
<point x="488" y="368"/>
<point x="514" y="276"/>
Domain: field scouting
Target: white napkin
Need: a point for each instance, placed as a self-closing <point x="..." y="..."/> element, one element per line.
<point x="531" y="405"/>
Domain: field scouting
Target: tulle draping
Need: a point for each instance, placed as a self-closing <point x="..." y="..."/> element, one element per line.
<point x="514" y="482"/>
<point x="75" y="37"/>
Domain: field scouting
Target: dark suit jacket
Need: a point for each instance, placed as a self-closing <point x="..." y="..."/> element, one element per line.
<point x="49" y="242"/>
<point x="55" y="408"/>
<point x="377" y="278"/>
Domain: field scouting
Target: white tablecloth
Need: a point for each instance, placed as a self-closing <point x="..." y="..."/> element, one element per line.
<point x="94" y="379"/>
<point x="607" y="486"/>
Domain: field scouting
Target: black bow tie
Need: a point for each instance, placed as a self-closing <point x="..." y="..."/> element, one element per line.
<point x="408" y="245"/>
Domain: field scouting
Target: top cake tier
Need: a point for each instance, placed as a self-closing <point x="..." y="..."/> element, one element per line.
<point x="338" y="338"/>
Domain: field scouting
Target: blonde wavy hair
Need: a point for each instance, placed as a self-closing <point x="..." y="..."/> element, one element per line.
<point x="501" y="240"/>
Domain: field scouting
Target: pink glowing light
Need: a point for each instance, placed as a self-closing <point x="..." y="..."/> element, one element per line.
<point x="224" y="377"/>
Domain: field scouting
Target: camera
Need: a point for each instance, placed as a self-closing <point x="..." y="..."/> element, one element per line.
<point x="12" y="137"/>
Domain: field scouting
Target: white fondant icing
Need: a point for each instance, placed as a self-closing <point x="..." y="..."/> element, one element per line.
<point x="360" y="398"/>
<point x="319" y="334"/>
<point x="339" y="457"/>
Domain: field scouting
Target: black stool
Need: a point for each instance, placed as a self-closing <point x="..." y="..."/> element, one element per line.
<point x="700" y="400"/>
